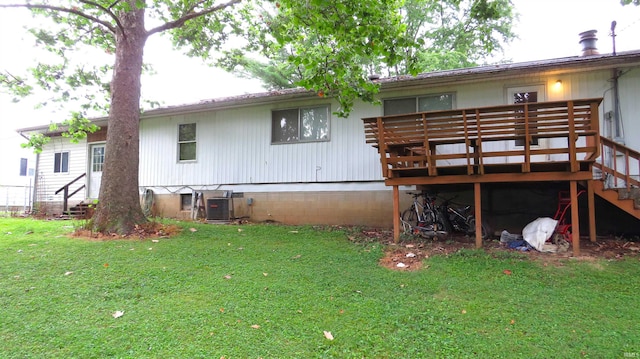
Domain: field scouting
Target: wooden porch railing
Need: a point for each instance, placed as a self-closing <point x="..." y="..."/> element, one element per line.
<point x="66" y="194"/>
<point x="484" y="140"/>
<point x="620" y="162"/>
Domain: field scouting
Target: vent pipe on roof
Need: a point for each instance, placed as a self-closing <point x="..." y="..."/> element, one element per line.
<point x="588" y="41"/>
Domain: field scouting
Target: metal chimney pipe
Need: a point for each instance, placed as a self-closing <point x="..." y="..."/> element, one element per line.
<point x="588" y="41"/>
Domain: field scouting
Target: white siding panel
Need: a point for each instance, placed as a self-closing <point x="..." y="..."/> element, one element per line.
<point x="234" y="147"/>
<point x="629" y="86"/>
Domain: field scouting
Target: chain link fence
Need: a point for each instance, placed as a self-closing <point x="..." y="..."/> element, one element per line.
<point x="15" y="200"/>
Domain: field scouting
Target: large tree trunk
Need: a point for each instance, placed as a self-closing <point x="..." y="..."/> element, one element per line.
<point x="119" y="209"/>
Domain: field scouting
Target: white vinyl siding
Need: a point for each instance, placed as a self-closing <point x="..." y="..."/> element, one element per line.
<point x="235" y="147"/>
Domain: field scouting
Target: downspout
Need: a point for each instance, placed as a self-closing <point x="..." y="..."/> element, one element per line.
<point x="35" y="177"/>
<point x="618" y="136"/>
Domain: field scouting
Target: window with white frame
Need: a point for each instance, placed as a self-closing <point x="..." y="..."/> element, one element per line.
<point x="61" y="162"/>
<point x="436" y="102"/>
<point x="305" y="124"/>
<point x="187" y="142"/>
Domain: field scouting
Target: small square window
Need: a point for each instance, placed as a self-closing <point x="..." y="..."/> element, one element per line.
<point x="185" y="202"/>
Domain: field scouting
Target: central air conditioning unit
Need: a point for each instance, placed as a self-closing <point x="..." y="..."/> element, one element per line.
<point x="219" y="209"/>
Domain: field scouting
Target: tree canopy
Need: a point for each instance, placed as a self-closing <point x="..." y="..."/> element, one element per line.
<point x="436" y="35"/>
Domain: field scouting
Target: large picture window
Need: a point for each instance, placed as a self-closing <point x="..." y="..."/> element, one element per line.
<point x="187" y="142"/>
<point x="436" y="102"/>
<point x="61" y="162"/>
<point x="300" y="125"/>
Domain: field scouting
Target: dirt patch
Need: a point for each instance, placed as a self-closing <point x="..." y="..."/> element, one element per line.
<point x="409" y="253"/>
<point x="143" y="231"/>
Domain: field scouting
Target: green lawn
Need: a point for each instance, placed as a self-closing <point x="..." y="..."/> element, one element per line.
<point x="267" y="291"/>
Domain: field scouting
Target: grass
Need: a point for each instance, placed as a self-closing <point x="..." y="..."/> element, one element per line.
<point x="267" y="291"/>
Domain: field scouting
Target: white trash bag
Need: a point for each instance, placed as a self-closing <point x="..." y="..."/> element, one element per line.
<point x="538" y="232"/>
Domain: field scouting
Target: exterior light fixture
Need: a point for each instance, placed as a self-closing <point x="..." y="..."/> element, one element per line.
<point x="558" y="85"/>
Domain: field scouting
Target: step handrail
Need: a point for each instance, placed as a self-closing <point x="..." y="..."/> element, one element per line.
<point x="611" y="149"/>
<point x="66" y="194"/>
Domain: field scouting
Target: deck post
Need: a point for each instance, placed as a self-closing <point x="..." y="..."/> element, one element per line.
<point x="592" y="211"/>
<point x="396" y="214"/>
<point x="477" y="194"/>
<point x="575" y="219"/>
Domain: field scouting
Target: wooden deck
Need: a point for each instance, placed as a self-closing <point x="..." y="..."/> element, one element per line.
<point x="528" y="142"/>
<point x="558" y="140"/>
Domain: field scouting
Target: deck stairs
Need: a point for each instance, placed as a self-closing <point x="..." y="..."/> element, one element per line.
<point x="618" y="181"/>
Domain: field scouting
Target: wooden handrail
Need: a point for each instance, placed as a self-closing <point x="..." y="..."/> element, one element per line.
<point x="66" y="194"/>
<point x="612" y="150"/>
<point x="70" y="183"/>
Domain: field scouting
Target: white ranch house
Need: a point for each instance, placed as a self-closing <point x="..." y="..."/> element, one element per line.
<point x="285" y="157"/>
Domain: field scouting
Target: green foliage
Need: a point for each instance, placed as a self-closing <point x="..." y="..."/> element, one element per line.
<point x="315" y="46"/>
<point x="15" y="85"/>
<point x="36" y="141"/>
<point x="198" y="294"/>
<point x="429" y="36"/>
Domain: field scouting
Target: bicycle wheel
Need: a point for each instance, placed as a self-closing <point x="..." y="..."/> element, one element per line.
<point x="410" y="216"/>
<point x="486" y="230"/>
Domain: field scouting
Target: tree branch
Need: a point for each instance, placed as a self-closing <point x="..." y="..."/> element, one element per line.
<point x="107" y="11"/>
<point x="62" y="9"/>
<point x="192" y="15"/>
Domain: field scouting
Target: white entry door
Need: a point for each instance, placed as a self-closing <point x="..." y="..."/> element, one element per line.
<point x="95" y="170"/>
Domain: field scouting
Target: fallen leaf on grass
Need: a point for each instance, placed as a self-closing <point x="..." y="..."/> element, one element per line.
<point x="512" y="322"/>
<point x="507" y="272"/>
<point x="328" y="335"/>
<point x="193" y="229"/>
<point x="265" y="274"/>
<point x="464" y="311"/>
<point x="117" y="314"/>
<point x="255" y="326"/>
<point x="68" y="273"/>
<point x="106" y="265"/>
<point x="296" y="257"/>
<point x="227" y="277"/>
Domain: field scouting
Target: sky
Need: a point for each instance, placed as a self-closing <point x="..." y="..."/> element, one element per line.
<point x="546" y="29"/>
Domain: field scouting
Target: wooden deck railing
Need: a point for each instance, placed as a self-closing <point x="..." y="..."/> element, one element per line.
<point x="485" y="140"/>
<point x="620" y="162"/>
